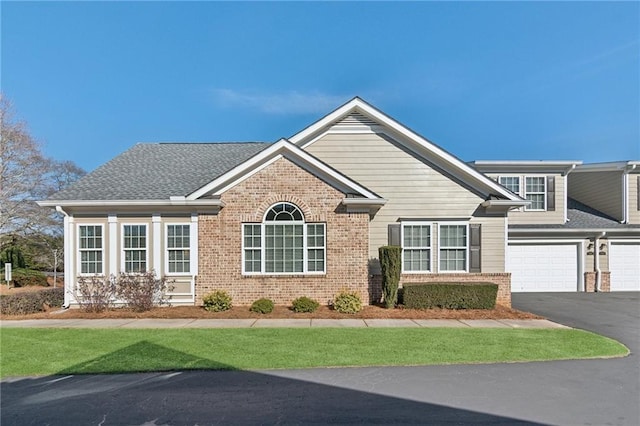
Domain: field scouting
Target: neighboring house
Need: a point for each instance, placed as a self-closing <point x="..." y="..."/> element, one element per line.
<point x="301" y="216"/>
<point x="581" y="231"/>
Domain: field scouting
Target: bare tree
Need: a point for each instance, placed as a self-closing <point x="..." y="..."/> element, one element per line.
<point x="26" y="175"/>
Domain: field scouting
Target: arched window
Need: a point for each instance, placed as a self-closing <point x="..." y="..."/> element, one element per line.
<point x="283" y="243"/>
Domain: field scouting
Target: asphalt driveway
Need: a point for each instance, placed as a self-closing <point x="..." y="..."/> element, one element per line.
<point x="584" y="392"/>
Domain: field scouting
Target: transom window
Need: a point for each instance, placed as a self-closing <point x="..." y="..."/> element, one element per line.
<point x="453" y="248"/>
<point x="134" y="243"/>
<point x="283" y="243"/>
<point x="90" y="247"/>
<point x="416" y="248"/>
<point x="178" y="249"/>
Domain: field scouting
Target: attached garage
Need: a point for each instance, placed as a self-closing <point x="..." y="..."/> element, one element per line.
<point x="543" y="267"/>
<point x="624" y="264"/>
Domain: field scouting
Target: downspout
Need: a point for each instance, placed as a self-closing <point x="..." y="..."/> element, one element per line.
<point x="566" y="194"/>
<point x="59" y="209"/>
<point x="625" y="192"/>
<point x="596" y="260"/>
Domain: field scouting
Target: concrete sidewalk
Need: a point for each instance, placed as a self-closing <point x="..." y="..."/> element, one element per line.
<point x="275" y="323"/>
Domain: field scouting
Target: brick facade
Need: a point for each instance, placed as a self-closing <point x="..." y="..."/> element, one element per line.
<point x="220" y="245"/>
<point x="503" y="280"/>
<point x="590" y="281"/>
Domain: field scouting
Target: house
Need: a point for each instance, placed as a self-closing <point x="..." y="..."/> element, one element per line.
<point x="581" y="231"/>
<point x="306" y="215"/>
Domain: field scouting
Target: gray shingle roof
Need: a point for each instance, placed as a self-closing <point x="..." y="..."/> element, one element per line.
<point x="584" y="217"/>
<point x="156" y="171"/>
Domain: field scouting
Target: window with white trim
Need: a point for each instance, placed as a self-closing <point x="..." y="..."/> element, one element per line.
<point x="134" y="243"/>
<point x="416" y="248"/>
<point x="283" y="243"/>
<point x="90" y="248"/>
<point x="453" y="249"/>
<point x="535" y="191"/>
<point x="512" y="183"/>
<point x="178" y="249"/>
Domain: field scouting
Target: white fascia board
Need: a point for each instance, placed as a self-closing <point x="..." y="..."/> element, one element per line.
<point x="584" y="231"/>
<point x="504" y="205"/>
<point x="612" y="166"/>
<point x="422" y="143"/>
<point x="280" y="149"/>
<point x="541" y="166"/>
<point x="131" y="203"/>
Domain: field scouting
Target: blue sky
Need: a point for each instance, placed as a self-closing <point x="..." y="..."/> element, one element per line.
<point x="499" y="80"/>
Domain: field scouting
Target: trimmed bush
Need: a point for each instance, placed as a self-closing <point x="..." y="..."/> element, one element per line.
<point x="304" y="304"/>
<point x="450" y="296"/>
<point x="217" y="301"/>
<point x="262" y="306"/>
<point x="31" y="303"/>
<point x="391" y="265"/>
<point x="28" y="277"/>
<point x="347" y="303"/>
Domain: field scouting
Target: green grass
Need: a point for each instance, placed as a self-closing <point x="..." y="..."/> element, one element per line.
<point x="33" y="352"/>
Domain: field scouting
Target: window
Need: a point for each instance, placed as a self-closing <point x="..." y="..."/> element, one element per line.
<point x="283" y="243"/>
<point x="453" y="248"/>
<point x="512" y="183"/>
<point x="178" y="249"/>
<point x="134" y="242"/>
<point x="416" y="248"/>
<point x="535" y="192"/>
<point x="90" y="246"/>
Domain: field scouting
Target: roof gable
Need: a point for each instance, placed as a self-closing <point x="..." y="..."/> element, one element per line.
<point x="357" y="115"/>
<point x="285" y="149"/>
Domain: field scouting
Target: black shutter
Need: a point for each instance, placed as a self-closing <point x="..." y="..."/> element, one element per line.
<point x="551" y="193"/>
<point x="474" y="247"/>
<point x="393" y="238"/>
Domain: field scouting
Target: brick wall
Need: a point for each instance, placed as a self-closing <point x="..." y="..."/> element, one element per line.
<point x="220" y="245"/>
<point x="503" y="280"/>
<point x="590" y="281"/>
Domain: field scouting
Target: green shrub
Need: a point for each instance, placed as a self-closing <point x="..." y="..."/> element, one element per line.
<point x="450" y="296"/>
<point x="262" y="306"/>
<point x="14" y="256"/>
<point x="28" y="277"/>
<point x="31" y="303"/>
<point x="347" y="303"/>
<point x="304" y="304"/>
<point x="391" y="265"/>
<point x="217" y="301"/>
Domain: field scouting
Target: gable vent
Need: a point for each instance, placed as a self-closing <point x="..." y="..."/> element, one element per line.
<point x="354" y="121"/>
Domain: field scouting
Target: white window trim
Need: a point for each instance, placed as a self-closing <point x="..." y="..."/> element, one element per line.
<point x="417" y="223"/>
<point x="123" y="249"/>
<point x="79" y="250"/>
<point x="167" y="249"/>
<point x="305" y="248"/>
<point x="468" y="251"/>
<point x="544" y="193"/>
<point x="523" y="189"/>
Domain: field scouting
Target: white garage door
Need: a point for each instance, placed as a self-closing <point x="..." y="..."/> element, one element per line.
<point x="624" y="264"/>
<point x="552" y="267"/>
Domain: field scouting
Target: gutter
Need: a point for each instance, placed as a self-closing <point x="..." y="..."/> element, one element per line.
<point x="625" y="191"/>
<point x="566" y="191"/>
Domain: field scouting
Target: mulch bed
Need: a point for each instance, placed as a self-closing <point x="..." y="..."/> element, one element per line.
<point x="240" y="312"/>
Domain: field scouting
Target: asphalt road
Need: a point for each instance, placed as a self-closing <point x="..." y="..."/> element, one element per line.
<point x="588" y="392"/>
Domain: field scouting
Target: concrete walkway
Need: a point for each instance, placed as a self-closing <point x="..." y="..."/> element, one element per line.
<point x="273" y="323"/>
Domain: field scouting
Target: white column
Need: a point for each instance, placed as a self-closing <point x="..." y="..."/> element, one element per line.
<point x="193" y="248"/>
<point x="112" y="267"/>
<point x="69" y="256"/>
<point x="157" y="244"/>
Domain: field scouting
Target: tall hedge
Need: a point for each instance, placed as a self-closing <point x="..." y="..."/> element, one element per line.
<point x="390" y="262"/>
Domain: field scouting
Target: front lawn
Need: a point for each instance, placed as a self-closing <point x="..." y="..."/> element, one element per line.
<point x="34" y="352"/>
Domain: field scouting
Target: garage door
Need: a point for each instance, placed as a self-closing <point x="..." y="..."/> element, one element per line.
<point x="552" y="267"/>
<point x="624" y="264"/>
